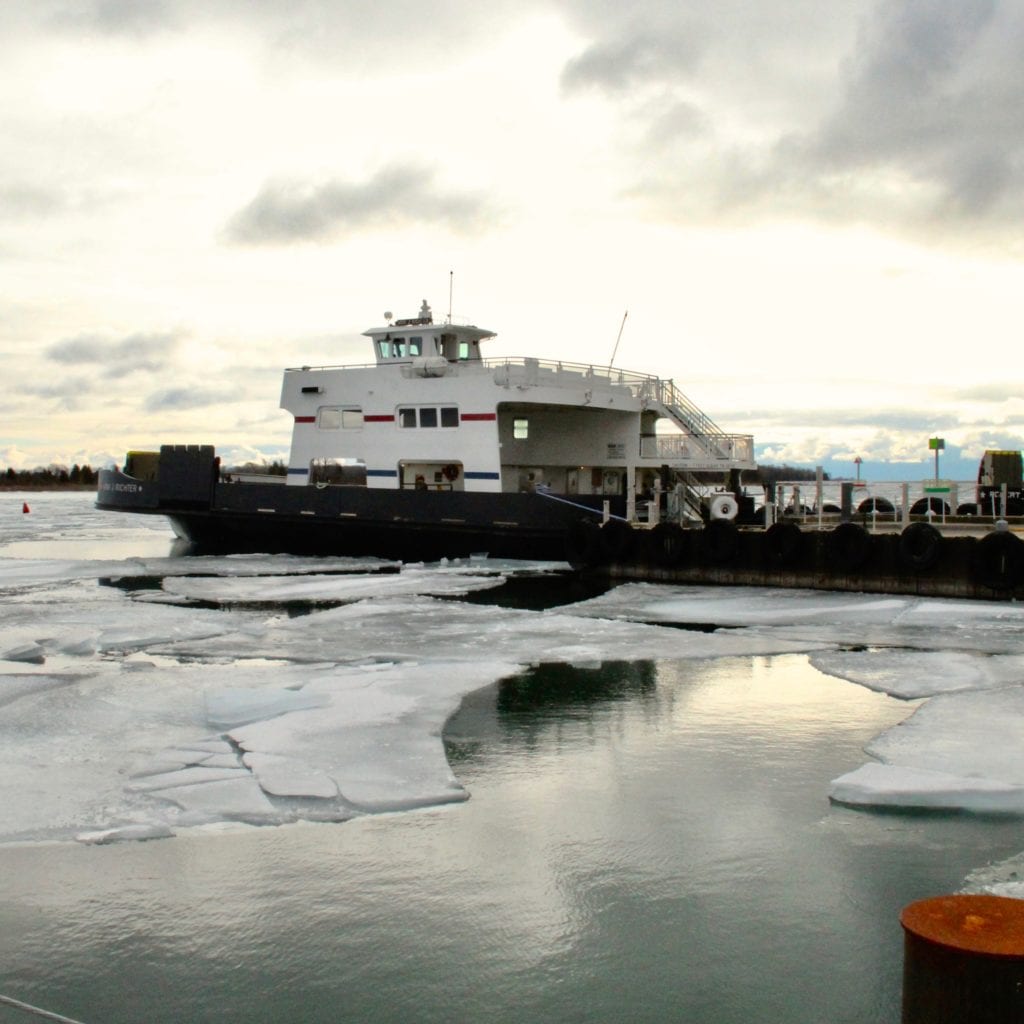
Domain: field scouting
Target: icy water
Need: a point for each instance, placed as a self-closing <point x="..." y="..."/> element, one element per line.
<point x="647" y="838"/>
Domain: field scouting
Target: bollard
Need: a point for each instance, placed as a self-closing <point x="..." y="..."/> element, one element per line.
<point x="963" y="960"/>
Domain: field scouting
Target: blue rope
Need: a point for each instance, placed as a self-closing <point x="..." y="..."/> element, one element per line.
<point x="45" y="1014"/>
<point x="576" y="504"/>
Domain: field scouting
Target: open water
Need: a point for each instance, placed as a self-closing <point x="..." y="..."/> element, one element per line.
<point x="647" y="841"/>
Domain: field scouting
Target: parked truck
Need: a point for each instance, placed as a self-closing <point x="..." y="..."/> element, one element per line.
<point x="999" y="470"/>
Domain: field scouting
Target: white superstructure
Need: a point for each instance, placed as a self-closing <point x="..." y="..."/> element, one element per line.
<point x="432" y="413"/>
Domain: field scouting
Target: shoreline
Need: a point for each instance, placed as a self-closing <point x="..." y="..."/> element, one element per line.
<point x="25" y="488"/>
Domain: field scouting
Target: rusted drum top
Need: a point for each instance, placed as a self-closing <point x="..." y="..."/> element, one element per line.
<point x="981" y="924"/>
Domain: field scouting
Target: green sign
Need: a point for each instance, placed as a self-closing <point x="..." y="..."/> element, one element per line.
<point x="936" y="444"/>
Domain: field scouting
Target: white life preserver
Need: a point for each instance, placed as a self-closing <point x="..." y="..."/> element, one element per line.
<point x="723" y="506"/>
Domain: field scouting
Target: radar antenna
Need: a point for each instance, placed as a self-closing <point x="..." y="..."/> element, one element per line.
<point x="618" y="339"/>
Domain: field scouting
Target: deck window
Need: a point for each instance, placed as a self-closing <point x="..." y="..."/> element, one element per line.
<point x="429" y="416"/>
<point x="521" y="428"/>
<point x="333" y="417"/>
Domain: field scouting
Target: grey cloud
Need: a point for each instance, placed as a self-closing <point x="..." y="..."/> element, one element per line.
<point x="932" y="91"/>
<point x="116" y="358"/>
<point x="25" y="200"/>
<point x="883" y="419"/>
<point x="399" y="31"/>
<point x="995" y="393"/>
<point x="906" y="115"/>
<point x="120" y="17"/>
<point x="625" y="61"/>
<point x="284" y="212"/>
<point x="187" y="398"/>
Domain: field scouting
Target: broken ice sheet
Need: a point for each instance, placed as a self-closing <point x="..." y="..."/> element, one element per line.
<point x="819" y="616"/>
<point x="910" y="674"/>
<point x="426" y="629"/>
<point x="957" y="751"/>
<point x="318" y="588"/>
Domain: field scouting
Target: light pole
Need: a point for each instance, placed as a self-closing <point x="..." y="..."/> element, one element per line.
<point x="936" y="444"/>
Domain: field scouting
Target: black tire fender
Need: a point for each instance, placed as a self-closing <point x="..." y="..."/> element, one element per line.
<point x="720" y="541"/>
<point x="583" y="543"/>
<point x="848" y="547"/>
<point x="782" y="543"/>
<point x="616" y="540"/>
<point x="998" y="561"/>
<point x="668" y="545"/>
<point x="920" y="546"/>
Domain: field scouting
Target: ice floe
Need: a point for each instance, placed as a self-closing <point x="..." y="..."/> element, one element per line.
<point x="149" y="713"/>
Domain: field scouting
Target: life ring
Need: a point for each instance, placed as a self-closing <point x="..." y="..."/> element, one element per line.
<point x="998" y="561"/>
<point x="720" y="541"/>
<point x="848" y="547"/>
<point x="450" y="472"/>
<point x="782" y="543"/>
<point x="723" y="507"/>
<point x="920" y="545"/>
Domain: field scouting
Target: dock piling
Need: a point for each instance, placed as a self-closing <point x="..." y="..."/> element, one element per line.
<point x="963" y="960"/>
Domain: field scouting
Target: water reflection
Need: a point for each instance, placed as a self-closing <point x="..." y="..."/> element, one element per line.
<point x="645" y="842"/>
<point x="558" y="687"/>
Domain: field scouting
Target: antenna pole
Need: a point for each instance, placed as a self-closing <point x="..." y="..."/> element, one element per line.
<point x="451" y="279"/>
<point x="618" y="339"/>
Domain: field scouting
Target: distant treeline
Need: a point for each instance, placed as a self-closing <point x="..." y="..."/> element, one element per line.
<point x="769" y="476"/>
<point x="48" y="477"/>
<point x="275" y="468"/>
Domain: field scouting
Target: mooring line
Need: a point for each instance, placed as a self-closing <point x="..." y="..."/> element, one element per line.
<point x="29" y="1008"/>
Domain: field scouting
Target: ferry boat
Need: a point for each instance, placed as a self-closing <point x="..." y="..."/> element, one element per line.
<point x="433" y="450"/>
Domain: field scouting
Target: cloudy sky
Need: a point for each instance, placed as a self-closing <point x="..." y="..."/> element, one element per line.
<point x="811" y="210"/>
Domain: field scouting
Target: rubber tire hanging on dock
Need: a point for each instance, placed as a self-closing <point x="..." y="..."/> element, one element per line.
<point x="583" y="543"/>
<point x="998" y="561"/>
<point x="936" y="505"/>
<point x="616" y="541"/>
<point x="667" y="545"/>
<point x="720" y="541"/>
<point x="920" y="547"/>
<point x="848" y="547"/>
<point x="876" y="506"/>
<point x="782" y="544"/>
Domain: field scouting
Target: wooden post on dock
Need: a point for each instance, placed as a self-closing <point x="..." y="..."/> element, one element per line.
<point x="963" y="960"/>
<point x="846" y="502"/>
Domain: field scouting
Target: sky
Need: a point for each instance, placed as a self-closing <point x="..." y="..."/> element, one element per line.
<point x="811" y="211"/>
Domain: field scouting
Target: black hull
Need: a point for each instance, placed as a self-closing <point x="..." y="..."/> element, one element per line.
<point x="337" y="520"/>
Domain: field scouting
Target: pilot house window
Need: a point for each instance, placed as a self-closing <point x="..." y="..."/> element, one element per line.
<point x="428" y="416"/>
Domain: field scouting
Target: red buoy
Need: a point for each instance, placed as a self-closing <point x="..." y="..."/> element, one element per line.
<point x="24" y="506"/>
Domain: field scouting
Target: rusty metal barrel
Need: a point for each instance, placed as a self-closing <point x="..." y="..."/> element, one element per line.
<point x="963" y="960"/>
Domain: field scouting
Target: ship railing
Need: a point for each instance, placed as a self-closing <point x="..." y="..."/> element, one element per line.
<point x="892" y="502"/>
<point x="722" y="448"/>
<point x="526" y="369"/>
